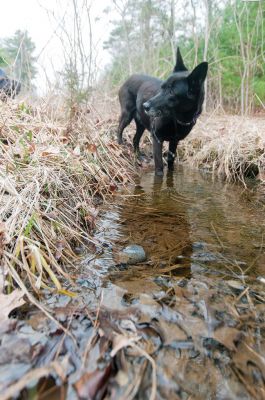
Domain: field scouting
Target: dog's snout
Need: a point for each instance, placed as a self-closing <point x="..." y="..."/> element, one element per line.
<point x="147" y="106"/>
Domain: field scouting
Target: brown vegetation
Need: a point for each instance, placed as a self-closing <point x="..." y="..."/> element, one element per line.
<point x="53" y="174"/>
<point x="230" y="146"/>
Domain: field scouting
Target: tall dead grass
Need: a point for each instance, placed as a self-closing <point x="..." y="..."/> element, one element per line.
<point x="53" y="173"/>
<point x="231" y="146"/>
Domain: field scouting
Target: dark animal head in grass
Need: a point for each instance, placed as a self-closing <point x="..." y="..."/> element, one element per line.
<point x="8" y="87"/>
<point x="181" y="91"/>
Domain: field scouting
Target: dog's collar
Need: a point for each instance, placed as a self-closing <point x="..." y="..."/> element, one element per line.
<point x="192" y="122"/>
<point x="182" y="123"/>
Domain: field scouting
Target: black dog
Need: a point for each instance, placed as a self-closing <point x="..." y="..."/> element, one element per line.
<point x="168" y="109"/>
<point x="8" y="87"/>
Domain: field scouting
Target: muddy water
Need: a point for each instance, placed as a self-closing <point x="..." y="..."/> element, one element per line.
<point x="188" y="223"/>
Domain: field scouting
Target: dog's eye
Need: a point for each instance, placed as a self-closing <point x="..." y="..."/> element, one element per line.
<point x="171" y="92"/>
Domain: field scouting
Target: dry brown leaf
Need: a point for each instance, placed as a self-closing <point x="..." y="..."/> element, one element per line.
<point x="113" y="187"/>
<point x="227" y="336"/>
<point x="121" y="341"/>
<point x="246" y="355"/>
<point x="64" y="139"/>
<point x="92" y="148"/>
<point x="170" y="332"/>
<point x="9" y="302"/>
<point x="50" y="151"/>
<point x="31" y="148"/>
<point x="92" y="384"/>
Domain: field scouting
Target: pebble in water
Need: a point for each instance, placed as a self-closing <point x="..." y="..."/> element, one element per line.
<point x="131" y="254"/>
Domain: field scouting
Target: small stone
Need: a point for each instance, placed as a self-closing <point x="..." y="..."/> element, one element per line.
<point x="198" y="245"/>
<point x="131" y="254"/>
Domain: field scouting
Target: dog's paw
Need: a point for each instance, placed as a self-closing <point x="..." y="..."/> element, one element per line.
<point x="159" y="172"/>
<point x="120" y="140"/>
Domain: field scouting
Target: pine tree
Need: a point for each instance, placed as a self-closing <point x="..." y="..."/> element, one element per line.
<point x="19" y="50"/>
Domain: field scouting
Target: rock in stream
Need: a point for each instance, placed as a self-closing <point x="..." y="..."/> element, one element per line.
<point x="131" y="254"/>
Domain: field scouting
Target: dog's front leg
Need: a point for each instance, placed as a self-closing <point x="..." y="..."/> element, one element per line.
<point x="157" y="152"/>
<point x="171" y="154"/>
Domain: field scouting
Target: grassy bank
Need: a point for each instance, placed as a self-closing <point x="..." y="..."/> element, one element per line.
<point x="53" y="173"/>
<point x="230" y="146"/>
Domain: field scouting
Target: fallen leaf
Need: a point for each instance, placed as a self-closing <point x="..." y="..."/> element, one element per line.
<point x="92" y="148"/>
<point x="113" y="187"/>
<point x="92" y="385"/>
<point x="31" y="148"/>
<point x="121" y="341"/>
<point x="227" y="336"/>
<point x="64" y="139"/>
<point x="50" y="151"/>
<point x="170" y="332"/>
<point x="9" y="302"/>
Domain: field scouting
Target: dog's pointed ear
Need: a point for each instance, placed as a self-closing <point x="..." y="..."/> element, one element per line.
<point x="179" y="63"/>
<point x="198" y="75"/>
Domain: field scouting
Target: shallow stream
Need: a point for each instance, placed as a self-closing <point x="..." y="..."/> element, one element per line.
<point x="188" y="223"/>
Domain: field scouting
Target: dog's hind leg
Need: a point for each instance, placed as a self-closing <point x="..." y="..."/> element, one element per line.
<point x="171" y="154"/>
<point x="137" y="137"/>
<point x="125" y="118"/>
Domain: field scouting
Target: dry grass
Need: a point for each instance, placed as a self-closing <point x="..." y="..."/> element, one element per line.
<point x="231" y="146"/>
<point x="52" y="176"/>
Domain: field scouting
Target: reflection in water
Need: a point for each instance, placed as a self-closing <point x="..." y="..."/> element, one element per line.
<point x="187" y="224"/>
<point x="155" y="220"/>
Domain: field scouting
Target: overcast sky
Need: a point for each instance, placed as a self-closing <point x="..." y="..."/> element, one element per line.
<point x="35" y="16"/>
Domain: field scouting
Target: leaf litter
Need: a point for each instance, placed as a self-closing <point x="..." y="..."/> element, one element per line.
<point x="205" y="344"/>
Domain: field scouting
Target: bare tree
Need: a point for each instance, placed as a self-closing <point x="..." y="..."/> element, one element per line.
<point x="122" y="7"/>
<point x="74" y="31"/>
